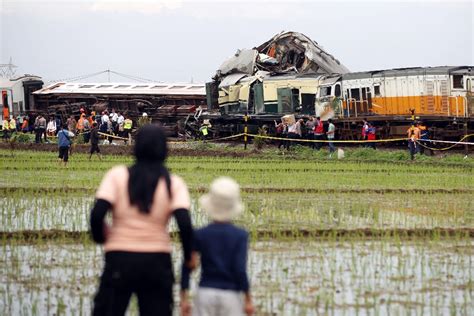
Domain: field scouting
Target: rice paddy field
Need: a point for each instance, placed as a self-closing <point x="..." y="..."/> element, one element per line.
<point x="357" y="236"/>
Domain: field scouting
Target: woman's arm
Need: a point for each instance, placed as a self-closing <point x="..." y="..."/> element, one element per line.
<point x="98" y="213"/>
<point x="185" y="227"/>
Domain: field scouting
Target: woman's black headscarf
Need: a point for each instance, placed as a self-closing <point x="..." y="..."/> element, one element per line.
<point x="150" y="153"/>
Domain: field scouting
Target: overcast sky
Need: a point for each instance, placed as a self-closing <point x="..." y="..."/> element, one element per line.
<point x="177" y="41"/>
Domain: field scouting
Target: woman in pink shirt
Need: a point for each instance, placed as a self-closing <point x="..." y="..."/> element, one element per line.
<point x="137" y="245"/>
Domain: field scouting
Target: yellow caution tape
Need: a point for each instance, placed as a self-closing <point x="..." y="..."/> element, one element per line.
<point x="328" y="141"/>
<point x="210" y="140"/>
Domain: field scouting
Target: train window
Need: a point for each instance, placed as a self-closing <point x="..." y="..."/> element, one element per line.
<point x="355" y="94"/>
<point x="104" y="86"/>
<point x="458" y="82"/>
<point x="140" y="87"/>
<point x="122" y="86"/>
<point x="377" y="90"/>
<point x="337" y="91"/>
<point x="178" y="87"/>
<point x="86" y="86"/>
<point x="325" y="91"/>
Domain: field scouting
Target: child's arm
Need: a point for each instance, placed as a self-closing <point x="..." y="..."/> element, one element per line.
<point x="186" y="270"/>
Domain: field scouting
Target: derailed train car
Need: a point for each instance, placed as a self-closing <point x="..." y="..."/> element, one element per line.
<point x="168" y="103"/>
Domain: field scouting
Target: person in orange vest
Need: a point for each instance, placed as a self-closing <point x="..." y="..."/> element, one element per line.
<point x="413" y="136"/>
<point x="25" y="126"/>
<point x="6" y="113"/>
<point x="80" y="124"/>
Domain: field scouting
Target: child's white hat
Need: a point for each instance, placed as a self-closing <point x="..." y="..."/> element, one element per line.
<point x="223" y="202"/>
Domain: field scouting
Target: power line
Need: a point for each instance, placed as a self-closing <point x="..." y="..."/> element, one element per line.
<point x="107" y="71"/>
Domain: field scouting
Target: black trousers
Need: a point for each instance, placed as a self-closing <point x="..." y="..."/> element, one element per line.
<point x="148" y="275"/>
<point x="291" y="136"/>
<point x="39" y="134"/>
<point x="318" y="145"/>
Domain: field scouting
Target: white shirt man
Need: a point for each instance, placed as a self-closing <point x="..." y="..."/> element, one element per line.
<point x="105" y="119"/>
<point x="120" y="119"/>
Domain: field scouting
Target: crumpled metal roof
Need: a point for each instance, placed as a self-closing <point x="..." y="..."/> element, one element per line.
<point x="285" y="53"/>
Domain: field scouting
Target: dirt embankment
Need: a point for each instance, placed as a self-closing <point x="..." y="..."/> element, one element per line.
<point x="127" y="150"/>
<point x="318" y="234"/>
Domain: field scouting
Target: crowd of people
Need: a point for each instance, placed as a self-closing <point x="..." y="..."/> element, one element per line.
<point x="313" y="129"/>
<point x="113" y="123"/>
<point x="319" y="133"/>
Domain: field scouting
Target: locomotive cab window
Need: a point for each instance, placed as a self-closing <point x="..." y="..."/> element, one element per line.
<point x="458" y="82"/>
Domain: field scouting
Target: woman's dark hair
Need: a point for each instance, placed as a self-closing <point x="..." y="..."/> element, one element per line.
<point x="150" y="153"/>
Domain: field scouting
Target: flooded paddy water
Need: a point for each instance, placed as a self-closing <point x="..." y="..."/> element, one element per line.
<point x="288" y="278"/>
<point x="302" y="272"/>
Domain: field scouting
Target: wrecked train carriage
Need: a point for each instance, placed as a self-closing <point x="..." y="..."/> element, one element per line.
<point x="264" y="100"/>
<point x="167" y="103"/>
<point x="279" y="77"/>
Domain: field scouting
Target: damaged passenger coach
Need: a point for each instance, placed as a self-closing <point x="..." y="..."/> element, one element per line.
<point x="279" y="77"/>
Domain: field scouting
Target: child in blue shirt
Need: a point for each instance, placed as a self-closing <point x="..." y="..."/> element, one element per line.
<point x="222" y="247"/>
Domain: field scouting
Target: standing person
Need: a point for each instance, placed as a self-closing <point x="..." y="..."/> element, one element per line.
<point x="71" y="124"/>
<point x="104" y="122"/>
<point x="25" y="126"/>
<point x="310" y="124"/>
<point x="94" y="138"/>
<point x="51" y="127"/>
<point x="42" y="123"/>
<point x="294" y="131"/>
<point x="120" y="121"/>
<point x="19" y="122"/>
<point x="86" y="130"/>
<point x="12" y="125"/>
<point x="364" y="132"/>
<point x="371" y="135"/>
<point x="223" y="273"/>
<point x="318" y="133"/>
<point x="113" y="119"/>
<point x="80" y="124"/>
<point x="137" y="245"/>
<point x="280" y="133"/>
<point x="40" y="128"/>
<point x="331" y="133"/>
<point x="64" y="143"/>
<point x="6" y="128"/>
<point x="127" y="127"/>
<point x="413" y="136"/>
